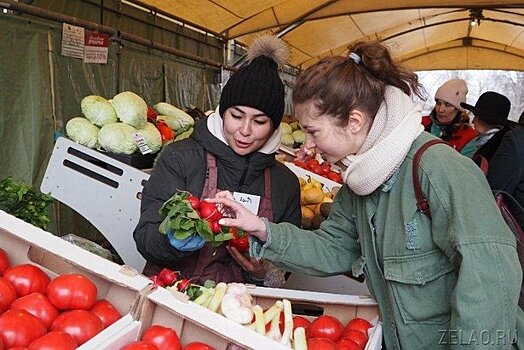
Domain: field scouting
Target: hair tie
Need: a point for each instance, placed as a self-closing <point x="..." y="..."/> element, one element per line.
<point x="355" y="57"/>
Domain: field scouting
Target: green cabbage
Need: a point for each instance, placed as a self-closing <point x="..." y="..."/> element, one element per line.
<point x="98" y="110"/>
<point x="152" y="137"/>
<point x="130" y="109"/>
<point x="177" y="117"/>
<point x="82" y="131"/>
<point x="117" y="138"/>
<point x="172" y="122"/>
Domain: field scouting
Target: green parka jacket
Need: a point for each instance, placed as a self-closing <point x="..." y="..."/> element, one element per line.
<point x="449" y="282"/>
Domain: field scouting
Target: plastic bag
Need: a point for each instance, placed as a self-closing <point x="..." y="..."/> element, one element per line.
<point x="88" y="245"/>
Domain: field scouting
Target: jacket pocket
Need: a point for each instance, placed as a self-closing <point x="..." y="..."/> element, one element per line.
<point x="422" y="285"/>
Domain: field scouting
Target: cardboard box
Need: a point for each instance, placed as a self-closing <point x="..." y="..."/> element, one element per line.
<point x="193" y="322"/>
<point x="314" y="304"/>
<point x="25" y="243"/>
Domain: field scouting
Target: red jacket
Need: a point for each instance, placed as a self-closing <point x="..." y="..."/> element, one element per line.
<point x="460" y="135"/>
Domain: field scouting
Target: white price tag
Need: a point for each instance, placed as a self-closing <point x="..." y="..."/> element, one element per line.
<point x="250" y="201"/>
<point x="141" y="143"/>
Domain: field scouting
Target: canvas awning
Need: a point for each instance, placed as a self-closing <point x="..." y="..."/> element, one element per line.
<point x="424" y="34"/>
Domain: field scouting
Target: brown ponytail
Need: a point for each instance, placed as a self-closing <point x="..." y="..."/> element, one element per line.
<point x="337" y="85"/>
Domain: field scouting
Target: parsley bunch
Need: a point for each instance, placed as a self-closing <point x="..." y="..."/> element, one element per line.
<point x="24" y="202"/>
<point x="185" y="221"/>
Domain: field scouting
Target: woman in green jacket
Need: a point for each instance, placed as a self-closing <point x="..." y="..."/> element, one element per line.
<point x="448" y="281"/>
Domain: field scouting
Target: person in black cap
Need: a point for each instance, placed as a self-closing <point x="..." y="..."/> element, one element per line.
<point x="491" y="122"/>
<point x="232" y="149"/>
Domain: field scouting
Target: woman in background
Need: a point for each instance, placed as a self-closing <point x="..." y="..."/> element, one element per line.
<point x="448" y="119"/>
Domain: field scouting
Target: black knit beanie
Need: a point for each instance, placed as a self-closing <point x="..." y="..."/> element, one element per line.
<point x="257" y="84"/>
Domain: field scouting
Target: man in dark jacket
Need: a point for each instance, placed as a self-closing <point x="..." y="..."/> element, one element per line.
<point x="491" y="122"/>
<point x="506" y="169"/>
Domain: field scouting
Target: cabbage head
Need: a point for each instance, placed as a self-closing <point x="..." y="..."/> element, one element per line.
<point x="152" y="137"/>
<point x="98" y="110"/>
<point x="117" y="138"/>
<point x="130" y="109"/>
<point x="82" y="131"/>
<point x="178" y="118"/>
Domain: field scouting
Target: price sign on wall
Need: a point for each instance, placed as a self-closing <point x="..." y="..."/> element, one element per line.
<point x="72" y="41"/>
<point x="96" y="47"/>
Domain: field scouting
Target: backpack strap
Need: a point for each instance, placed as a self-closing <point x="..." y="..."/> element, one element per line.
<point x="482" y="162"/>
<point x="422" y="203"/>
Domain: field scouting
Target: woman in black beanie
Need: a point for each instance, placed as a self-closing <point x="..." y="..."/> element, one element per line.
<point x="232" y="149"/>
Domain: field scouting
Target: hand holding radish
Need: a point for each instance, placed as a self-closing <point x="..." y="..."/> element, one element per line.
<point x="242" y="217"/>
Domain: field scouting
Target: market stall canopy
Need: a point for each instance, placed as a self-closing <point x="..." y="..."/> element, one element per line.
<point x="424" y="34"/>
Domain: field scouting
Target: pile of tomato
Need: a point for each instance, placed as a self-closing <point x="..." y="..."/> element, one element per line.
<point x="327" y="333"/>
<point x="40" y="313"/>
<point x="158" y="337"/>
<point x="325" y="169"/>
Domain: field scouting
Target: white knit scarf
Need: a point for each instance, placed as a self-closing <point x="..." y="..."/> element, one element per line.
<point x="395" y="127"/>
<point x="215" y="124"/>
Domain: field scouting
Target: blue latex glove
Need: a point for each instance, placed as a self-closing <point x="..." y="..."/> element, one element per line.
<point x="191" y="243"/>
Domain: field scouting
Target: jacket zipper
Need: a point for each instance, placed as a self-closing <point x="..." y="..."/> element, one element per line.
<point x="244" y="173"/>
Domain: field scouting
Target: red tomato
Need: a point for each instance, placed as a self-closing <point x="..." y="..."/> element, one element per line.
<point x="4" y="261"/>
<point x="321" y="344"/>
<point x="27" y="279"/>
<point x="334" y="176"/>
<point x="194" y="201"/>
<point x="72" y="291"/>
<point x="240" y="243"/>
<point x="312" y="163"/>
<point x="299" y="321"/>
<point x="19" y="328"/>
<point x="316" y="169"/>
<point x="357" y="336"/>
<point x="106" y="312"/>
<point x="209" y="211"/>
<point x="82" y="325"/>
<point x="37" y="305"/>
<point x="300" y="163"/>
<point x="53" y="341"/>
<point x="198" y="346"/>
<point x="139" y="345"/>
<point x="7" y="295"/>
<point x="358" y="324"/>
<point x="348" y="344"/>
<point x="163" y="338"/>
<point x="325" y="326"/>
